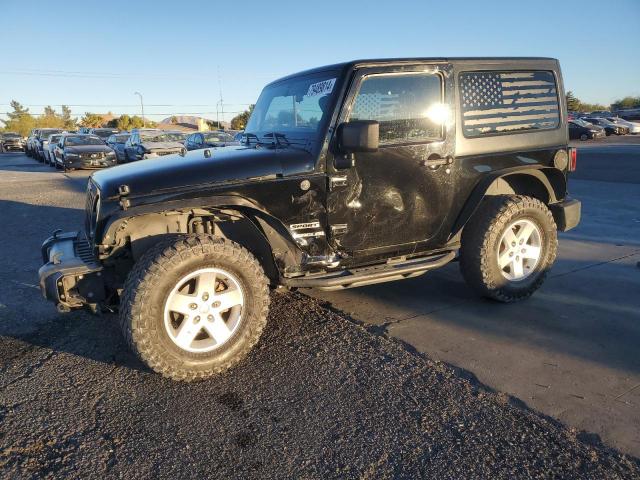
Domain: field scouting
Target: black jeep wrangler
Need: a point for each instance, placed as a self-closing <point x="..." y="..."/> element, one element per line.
<point x="348" y="175"/>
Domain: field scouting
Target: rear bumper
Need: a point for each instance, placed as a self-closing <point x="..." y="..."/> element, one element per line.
<point x="567" y="213"/>
<point x="70" y="277"/>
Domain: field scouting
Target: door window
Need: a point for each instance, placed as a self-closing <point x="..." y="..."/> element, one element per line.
<point x="408" y="107"/>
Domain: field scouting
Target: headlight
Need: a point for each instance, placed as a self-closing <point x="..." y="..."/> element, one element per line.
<point x="111" y="154"/>
<point x="72" y="155"/>
<point x="593" y="131"/>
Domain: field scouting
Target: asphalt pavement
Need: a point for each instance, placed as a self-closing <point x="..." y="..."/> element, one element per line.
<point x="324" y="395"/>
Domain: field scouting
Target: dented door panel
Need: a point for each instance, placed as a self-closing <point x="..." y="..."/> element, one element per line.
<point x="400" y="194"/>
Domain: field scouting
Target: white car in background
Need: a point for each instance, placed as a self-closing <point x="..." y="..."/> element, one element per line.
<point x="49" y="155"/>
<point x="634" y="127"/>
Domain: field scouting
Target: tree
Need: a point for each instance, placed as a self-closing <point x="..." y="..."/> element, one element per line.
<point x="68" y="123"/>
<point x="49" y="119"/>
<point x="573" y="104"/>
<point x="626" y="102"/>
<point x="214" y="125"/>
<point x="239" y="122"/>
<point x="19" y="120"/>
<point x="92" y="120"/>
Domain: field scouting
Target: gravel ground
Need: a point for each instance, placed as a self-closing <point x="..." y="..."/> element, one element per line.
<point x="320" y="397"/>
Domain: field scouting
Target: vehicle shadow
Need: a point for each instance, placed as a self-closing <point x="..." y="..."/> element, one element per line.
<point x="592" y="313"/>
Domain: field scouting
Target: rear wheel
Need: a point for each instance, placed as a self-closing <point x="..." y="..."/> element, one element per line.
<point x="194" y="307"/>
<point x="508" y="247"/>
<point x="584" y="137"/>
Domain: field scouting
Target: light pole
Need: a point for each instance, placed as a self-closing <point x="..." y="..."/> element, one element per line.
<point x="144" y="122"/>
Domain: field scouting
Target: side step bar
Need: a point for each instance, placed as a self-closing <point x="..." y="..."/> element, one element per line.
<point x="369" y="275"/>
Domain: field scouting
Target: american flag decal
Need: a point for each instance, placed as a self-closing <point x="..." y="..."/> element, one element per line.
<point x="501" y="102"/>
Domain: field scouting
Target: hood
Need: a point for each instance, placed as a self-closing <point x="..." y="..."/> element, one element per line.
<point x="162" y="145"/>
<point x="87" y="149"/>
<point x="225" y="165"/>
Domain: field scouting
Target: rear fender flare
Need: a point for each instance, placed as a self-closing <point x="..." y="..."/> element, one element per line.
<point x="545" y="183"/>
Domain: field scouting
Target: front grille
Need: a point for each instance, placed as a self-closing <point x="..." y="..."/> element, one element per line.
<point x="92" y="156"/>
<point x="84" y="251"/>
<point x="162" y="154"/>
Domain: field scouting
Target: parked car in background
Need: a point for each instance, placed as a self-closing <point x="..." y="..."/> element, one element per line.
<point x="634" y="127"/>
<point x="11" y="141"/>
<point x="215" y="139"/>
<point x="49" y="152"/>
<point x="103" y="133"/>
<point x="630" y="114"/>
<point x="150" y="142"/>
<point x="581" y="130"/>
<point x="600" y="113"/>
<point x="29" y="145"/>
<point x="84" y="130"/>
<point x="609" y="127"/>
<point x="42" y="141"/>
<point x="83" y="151"/>
<point x="117" y="143"/>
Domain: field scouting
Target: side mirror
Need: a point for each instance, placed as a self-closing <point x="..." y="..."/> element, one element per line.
<point x="358" y="136"/>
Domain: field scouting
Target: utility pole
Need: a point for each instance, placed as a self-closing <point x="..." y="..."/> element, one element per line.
<point x="221" y="102"/>
<point x="144" y="122"/>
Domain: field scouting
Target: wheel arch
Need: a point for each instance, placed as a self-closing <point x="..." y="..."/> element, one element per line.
<point x="133" y="232"/>
<point x="547" y="184"/>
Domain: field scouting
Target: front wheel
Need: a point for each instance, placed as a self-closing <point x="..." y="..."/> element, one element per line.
<point x="584" y="137"/>
<point x="194" y="307"/>
<point x="508" y="247"/>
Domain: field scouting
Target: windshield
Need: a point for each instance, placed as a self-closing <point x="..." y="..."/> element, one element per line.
<point x="46" y="133"/>
<point x="162" y="137"/>
<point x="294" y="108"/>
<point x="10" y="135"/>
<point x="77" y="140"/>
<point x="54" y="138"/>
<point x="218" y="137"/>
<point x="121" y="138"/>
<point x="581" y="122"/>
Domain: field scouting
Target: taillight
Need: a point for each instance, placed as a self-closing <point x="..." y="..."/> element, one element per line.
<point x="573" y="159"/>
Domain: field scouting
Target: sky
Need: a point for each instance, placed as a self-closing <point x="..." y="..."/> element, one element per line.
<point x="183" y="57"/>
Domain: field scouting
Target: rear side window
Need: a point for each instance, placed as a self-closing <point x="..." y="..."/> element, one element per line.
<point x="403" y="106"/>
<point x="494" y="103"/>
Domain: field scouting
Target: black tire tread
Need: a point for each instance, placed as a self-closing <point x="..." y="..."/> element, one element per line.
<point x="154" y="262"/>
<point x="480" y="234"/>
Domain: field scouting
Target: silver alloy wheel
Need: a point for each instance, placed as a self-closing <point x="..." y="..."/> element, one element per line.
<point x="204" y="310"/>
<point x="519" y="250"/>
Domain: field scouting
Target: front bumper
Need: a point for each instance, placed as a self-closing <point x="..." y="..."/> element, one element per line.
<point x="566" y="213"/>
<point x="71" y="277"/>
<point x="12" y="146"/>
<point x="90" y="162"/>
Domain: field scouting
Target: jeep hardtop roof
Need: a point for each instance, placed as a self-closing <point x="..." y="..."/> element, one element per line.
<point x="409" y="60"/>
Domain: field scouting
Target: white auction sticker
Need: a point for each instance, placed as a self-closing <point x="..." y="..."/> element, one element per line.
<point x="321" y="88"/>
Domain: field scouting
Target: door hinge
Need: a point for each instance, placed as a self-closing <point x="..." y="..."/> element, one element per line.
<point x="337" y="182"/>
<point x="339" y="229"/>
